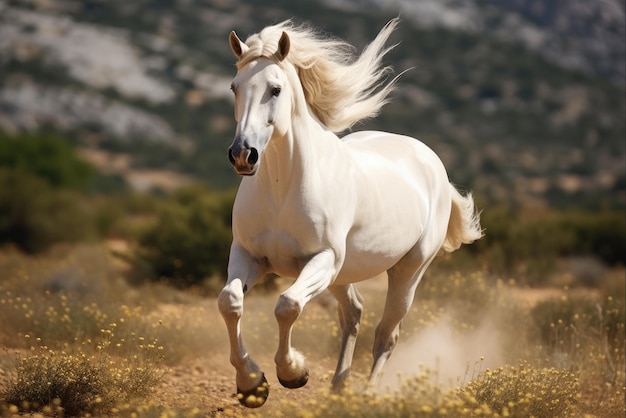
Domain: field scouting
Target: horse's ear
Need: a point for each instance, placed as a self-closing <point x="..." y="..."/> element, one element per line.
<point x="236" y="45"/>
<point x="283" y="46"/>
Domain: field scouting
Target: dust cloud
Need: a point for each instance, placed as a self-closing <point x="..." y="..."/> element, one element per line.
<point x="451" y="357"/>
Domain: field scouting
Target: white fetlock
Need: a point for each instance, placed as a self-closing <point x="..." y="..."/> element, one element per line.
<point x="293" y="373"/>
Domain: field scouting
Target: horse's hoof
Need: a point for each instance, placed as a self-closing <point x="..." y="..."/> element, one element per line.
<point x="295" y="383"/>
<point x="254" y="397"/>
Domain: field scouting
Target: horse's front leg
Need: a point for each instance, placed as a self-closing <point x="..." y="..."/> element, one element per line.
<point x="315" y="277"/>
<point x="243" y="273"/>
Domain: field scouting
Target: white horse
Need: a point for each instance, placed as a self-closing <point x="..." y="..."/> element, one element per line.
<point x="328" y="212"/>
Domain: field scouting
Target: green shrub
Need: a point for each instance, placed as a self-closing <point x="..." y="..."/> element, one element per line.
<point x="601" y="234"/>
<point x="528" y="244"/>
<point x="47" y="157"/>
<point x="190" y="240"/>
<point x="34" y="215"/>
<point x="40" y="204"/>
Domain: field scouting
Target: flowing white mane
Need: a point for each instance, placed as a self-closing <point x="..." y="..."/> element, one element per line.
<point x="340" y="89"/>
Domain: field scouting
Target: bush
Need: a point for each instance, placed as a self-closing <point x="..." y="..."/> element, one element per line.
<point x="521" y="391"/>
<point x="525" y="391"/>
<point x="582" y="334"/>
<point x="34" y="215"/>
<point x="191" y="238"/>
<point x="73" y="384"/>
<point x="40" y="182"/>
<point x="47" y="157"/>
<point x="528" y="244"/>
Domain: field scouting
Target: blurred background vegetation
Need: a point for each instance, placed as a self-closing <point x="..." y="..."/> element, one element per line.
<point x="49" y="196"/>
<point x="114" y="118"/>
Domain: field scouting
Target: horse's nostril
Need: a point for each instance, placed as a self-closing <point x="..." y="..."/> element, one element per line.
<point x="231" y="157"/>
<point x="253" y="157"/>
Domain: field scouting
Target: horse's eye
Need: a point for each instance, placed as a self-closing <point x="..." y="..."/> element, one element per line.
<point x="275" y="91"/>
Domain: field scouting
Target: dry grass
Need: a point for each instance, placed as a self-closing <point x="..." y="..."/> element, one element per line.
<point x="79" y="340"/>
<point x="525" y="391"/>
<point x="521" y="391"/>
<point x="78" y="346"/>
<point x="80" y="382"/>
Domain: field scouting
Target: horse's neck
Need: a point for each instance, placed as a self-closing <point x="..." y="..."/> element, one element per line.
<point x="295" y="159"/>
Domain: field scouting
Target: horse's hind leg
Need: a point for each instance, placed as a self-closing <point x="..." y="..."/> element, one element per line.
<point x="350" y="310"/>
<point x="402" y="282"/>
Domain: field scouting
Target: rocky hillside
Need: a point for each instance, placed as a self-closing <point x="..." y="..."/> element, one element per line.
<point x="523" y="100"/>
<point x="575" y="34"/>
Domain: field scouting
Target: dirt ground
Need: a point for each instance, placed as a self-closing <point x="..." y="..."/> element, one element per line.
<point x="207" y="382"/>
<point x="205" y="385"/>
<point x="200" y="379"/>
<point x="201" y="382"/>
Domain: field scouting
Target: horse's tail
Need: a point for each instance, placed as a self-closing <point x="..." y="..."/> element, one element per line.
<point x="464" y="225"/>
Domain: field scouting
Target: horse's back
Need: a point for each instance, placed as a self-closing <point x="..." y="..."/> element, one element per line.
<point x="398" y="149"/>
<point x="399" y="155"/>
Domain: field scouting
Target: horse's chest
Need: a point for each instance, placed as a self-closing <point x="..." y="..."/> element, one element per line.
<point x="284" y="242"/>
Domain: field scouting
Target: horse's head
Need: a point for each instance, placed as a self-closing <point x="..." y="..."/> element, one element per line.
<point x="262" y="104"/>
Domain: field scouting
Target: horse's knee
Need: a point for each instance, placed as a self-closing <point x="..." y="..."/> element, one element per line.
<point x="287" y="308"/>
<point x="230" y="301"/>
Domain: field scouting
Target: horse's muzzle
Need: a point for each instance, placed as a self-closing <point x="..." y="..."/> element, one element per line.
<point x="244" y="160"/>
